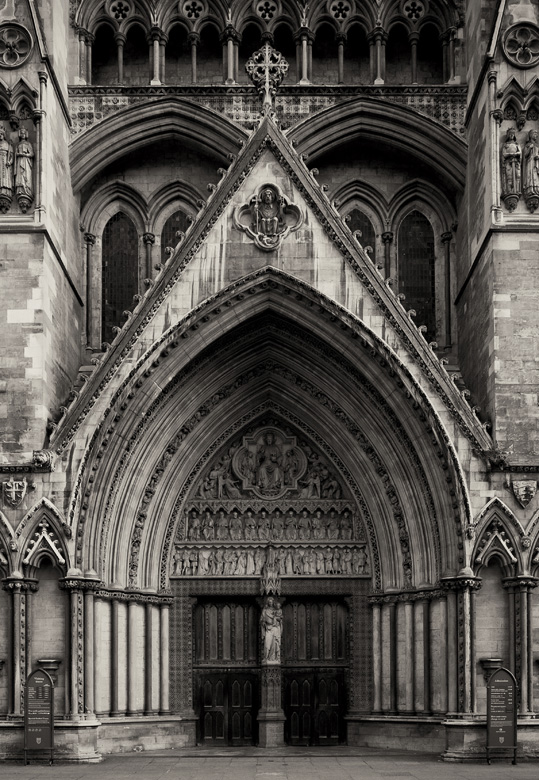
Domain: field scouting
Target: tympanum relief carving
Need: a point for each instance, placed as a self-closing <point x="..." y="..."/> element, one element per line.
<point x="270" y="502"/>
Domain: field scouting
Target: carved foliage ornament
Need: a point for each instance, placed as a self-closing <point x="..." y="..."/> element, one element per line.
<point x="268" y="218"/>
<point x="15" y="45"/>
<point x="521" y="44"/>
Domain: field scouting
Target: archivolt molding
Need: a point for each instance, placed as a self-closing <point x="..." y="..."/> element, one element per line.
<point x="157" y="360"/>
<point x="133" y="128"/>
<point x="406" y="331"/>
<point x="315" y="394"/>
<point x="382" y="122"/>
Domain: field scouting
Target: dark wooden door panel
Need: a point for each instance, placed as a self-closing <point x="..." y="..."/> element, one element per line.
<point x="315" y="704"/>
<point x="228" y="703"/>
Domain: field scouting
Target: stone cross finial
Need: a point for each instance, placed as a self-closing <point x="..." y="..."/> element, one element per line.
<point x="266" y="69"/>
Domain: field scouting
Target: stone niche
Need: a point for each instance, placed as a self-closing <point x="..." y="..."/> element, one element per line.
<point x="270" y="501"/>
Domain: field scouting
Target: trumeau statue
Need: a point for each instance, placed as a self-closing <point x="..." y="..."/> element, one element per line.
<point x="511" y="176"/>
<point x="271" y="625"/>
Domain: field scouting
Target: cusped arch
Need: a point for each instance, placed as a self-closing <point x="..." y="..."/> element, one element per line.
<point x="42" y="532"/>
<point x="171" y="197"/>
<point x="138" y="126"/>
<point x="381" y="122"/>
<point x="261" y="295"/>
<point x="500" y="535"/>
<point x="108" y="200"/>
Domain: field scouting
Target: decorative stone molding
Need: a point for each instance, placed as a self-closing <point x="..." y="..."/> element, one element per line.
<point x="341" y="10"/>
<point x="44" y="538"/>
<point x="521" y="44"/>
<point x="15" y="45"/>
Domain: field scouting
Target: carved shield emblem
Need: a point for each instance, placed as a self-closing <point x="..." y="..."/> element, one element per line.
<point x="14" y="491"/>
<point x="524" y="490"/>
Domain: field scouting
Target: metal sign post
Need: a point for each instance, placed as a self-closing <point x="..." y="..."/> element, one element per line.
<point x="39" y="714"/>
<point x="502" y="713"/>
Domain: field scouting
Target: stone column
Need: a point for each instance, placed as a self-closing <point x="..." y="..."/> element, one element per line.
<point x="302" y="39"/>
<point x="496" y="119"/>
<point x="376" y="603"/>
<point x="164" y="626"/>
<point x="521" y="648"/>
<point x="17" y="666"/>
<point x="155" y="81"/>
<point x="451" y="54"/>
<point x="271" y="717"/>
<point x="387" y="238"/>
<point x="120" y="43"/>
<point x="446" y="241"/>
<point x="413" y="38"/>
<point x="115" y="660"/>
<point x="341" y="40"/>
<point x="149" y="241"/>
<point x="89" y="44"/>
<point x="419" y="655"/>
<point x="463" y="586"/>
<point x="228" y="39"/>
<point x="82" y="56"/>
<point x="89" y="240"/>
<point x="194" y="40"/>
<point x="133" y="635"/>
<point x="379" y="37"/>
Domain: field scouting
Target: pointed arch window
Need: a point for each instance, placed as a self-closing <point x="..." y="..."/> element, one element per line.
<point x="119" y="272"/>
<point x="416" y="269"/>
<point x="179" y="221"/>
<point x="361" y="222"/>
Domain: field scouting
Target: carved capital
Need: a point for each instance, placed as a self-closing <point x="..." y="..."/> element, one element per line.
<point x="20" y="584"/>
<point x="89" y="238"/>
<point x="148" y="238"/>
<point x="446" y="237"/>
<point x="387" y="237"/>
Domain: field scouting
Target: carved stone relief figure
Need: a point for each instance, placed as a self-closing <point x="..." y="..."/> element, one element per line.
<point x="271" y="625"/>
<point x="269" y="459"/>
<point x="6" y="172"/>
<point x="268" y="218"/>
<point x="531" y="171"/>
<point x="511" y="160"/>
<point x="24" y="171"/>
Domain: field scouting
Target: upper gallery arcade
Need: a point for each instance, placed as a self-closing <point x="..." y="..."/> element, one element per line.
<point x="268" y="446"/>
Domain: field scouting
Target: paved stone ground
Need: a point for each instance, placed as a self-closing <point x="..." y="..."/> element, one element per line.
<point x="341" y="764"/>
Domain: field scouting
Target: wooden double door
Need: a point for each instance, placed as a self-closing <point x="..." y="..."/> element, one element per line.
<point x="315" y="656"/>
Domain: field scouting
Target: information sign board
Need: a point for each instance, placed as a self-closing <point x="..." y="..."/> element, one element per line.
<point x="39" y="714"/>
<point x="502" y="713"/>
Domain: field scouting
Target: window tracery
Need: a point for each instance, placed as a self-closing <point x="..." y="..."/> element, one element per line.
<point x="120" y="272"/>
<point x="416" y="278"/>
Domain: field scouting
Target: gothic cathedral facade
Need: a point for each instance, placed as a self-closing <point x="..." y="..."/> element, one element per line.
<point x="269" y="371"/>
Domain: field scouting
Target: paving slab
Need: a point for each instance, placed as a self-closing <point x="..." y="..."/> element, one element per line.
<point x="340" y="763"/>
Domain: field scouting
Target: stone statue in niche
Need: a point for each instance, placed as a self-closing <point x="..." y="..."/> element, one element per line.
<point x="6" y="172"/>
<point x="268" y="218"/>
<point x="531" y="171"/>
<point x="271" y="624"/>
<point x="511" y="176"/>
<point x="24" y="171"/>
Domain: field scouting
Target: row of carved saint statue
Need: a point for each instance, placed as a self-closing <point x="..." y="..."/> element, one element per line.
<point x="520" y="170"/>
<point x="263" y="527"/>
<point x="16" y="171"/>
<point x="253" y="561"/>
